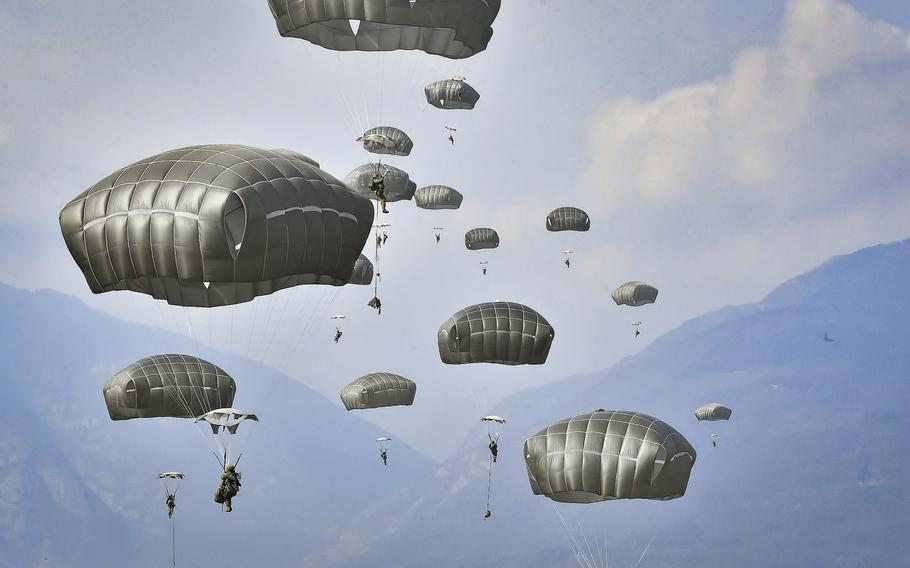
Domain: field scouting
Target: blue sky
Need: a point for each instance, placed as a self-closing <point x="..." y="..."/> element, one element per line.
<point x="720" y="148"/>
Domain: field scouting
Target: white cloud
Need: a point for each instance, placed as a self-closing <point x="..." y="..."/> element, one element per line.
<point x="796" y="154"/>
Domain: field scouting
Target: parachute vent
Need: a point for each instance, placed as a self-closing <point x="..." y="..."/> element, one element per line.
<point x="355" y="24"/>
<point x="234" y="223"/>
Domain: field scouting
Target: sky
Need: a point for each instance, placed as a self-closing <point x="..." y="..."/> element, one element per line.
<point x="719" y="148"/>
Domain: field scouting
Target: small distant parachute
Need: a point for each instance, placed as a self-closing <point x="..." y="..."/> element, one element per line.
<point x="481" y="238"/>
<point x="506" y="333"/>
<point x="386" y="140"/>
<point x="226" y="419"/>
<point x="215" y="225"/>
<point x="383" y="439"/>
<point x="376" y="390"/>
<point x="493" y="418"/>
<point x="713" y="411"/>
<point x="568" y="219"/>
<point x="171" y="475"/>
<point x="175" y="386"/>
<point x="451" y="94"/>
<point x="363" y="272"/>
<point x="604" y="455"/>
<point x="398" y="185"/>
<point x="635" y="294"/>
<point x="437" y="197"/>
<point x="455" y="30"/>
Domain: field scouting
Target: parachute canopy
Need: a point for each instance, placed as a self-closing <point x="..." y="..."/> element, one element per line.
<point x="215" y="225"/>
<point x="398" y="185"/>
<point x="363" y="272"/>
<point x="437" y="197"/>
<point x="493" y="418"/>
<point x="376" y="390"/>
<point x="568" y="219"/>
<point x="506" y="333"/>
<point x="635" y="294"/>
<point x="171" y="475"/>
<point x="455" y="29"/>
<point x="603" y="455"/>
<point x="481" y="238"/>
<point x="384" y="439"/>
<point x="713" y="411"/>
<point x="176" y="386"/>
<point x="292" y="155"/>
<point x="451" y="94"/>
<point x="386" y="140"/>
<point x="226" y="419"/>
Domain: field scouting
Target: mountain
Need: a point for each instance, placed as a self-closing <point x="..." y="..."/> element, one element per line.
<point x="809" y="471"/>
<point x="79" y="489"/>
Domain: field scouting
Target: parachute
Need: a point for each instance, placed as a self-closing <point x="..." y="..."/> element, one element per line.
<point x="226" y="419"/>
<point x="383" y="439"/>
<point x="604" y="455"/>
<point x="386" y="140"/>
<point x="376" y="390"/>
<point x="176" y="386"/>
<point x="171" y="475"/>
<point x="363" y="272"/>
<point x="437" y="197"/>
<point x="215" y="225"/>
<point x="635" y="294"/>
<point x="505" y="333"/>
<point x="451" y="94"/>
<point x="568" y="219"/>
<point x="493" y="418"/>
<point x="292" y="155"/>
<point x="713" y="411"/>
<point x="455" y="29"/>
<point x="481" y="238"/>
<point x="398" y="185"/>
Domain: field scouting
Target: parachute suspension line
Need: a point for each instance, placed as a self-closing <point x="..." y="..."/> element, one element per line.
<point x="189" y="325"/>
<point x="284" y="309"/>
<point x="268" y="332"/>
<point x="231" y="333"/>
<point x="249" y="343"/>
<point x="588" y="551"/>
<point x="645" y="551"/>
<point x="580" y="556"/>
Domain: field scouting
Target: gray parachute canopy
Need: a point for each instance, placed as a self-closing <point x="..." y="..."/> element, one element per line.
<point x="386" y="140"/>
<point x="229" y="419"/>
<point x="437" y="197"/>
<point x="291" y="154"/>
<point x="481" y="238"/>
<point x="451" y="28"/>
<point x="398" y="185"/>
<point x="568" y="219"/>
<point x="495" y="332"/>
<point x="604" y="455"/>
<point x="713" y="411"/>
<point x="451" y="94"/>
<point x="176" y="386"/>
<point x="635" y="294"/>
<point x="378" y="389"/>
<point x="215" y="225"/>
<point x="363" y="272"/>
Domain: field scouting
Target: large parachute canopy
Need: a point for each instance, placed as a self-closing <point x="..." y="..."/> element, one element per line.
<point x="226" y="419"/>
<point x="713" y="411"/>
<point x="455" y="29"/>
<point x="398" y="185"/>
<point x="607" y="454"/>
<point x="481" y="238"/>
<point x="386" y="140"/>
<point x="363" y="272"/>
<point x="451" y="94"/>
<point x="291" y="154"/>
<point x="176" y="386"/>
<point x="568" y="219"/>
<point x="376" y="390"/>
<point x="635" y="294"/>
<point x="437" y="197"/>
<point x="506" y="333"/>
<point x="215" y="225"/>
